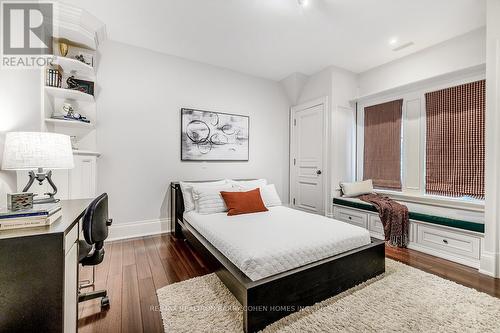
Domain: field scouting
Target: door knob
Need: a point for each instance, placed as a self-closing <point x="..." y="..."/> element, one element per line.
<point x="318" y="172"/>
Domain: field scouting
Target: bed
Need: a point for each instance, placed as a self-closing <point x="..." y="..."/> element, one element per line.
<point x="273" y="262"/>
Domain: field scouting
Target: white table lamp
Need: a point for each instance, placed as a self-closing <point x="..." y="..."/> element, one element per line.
<point x="38" y="151"/>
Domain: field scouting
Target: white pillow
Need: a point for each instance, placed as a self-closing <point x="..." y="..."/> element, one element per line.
<point x="187" y="191"/>
<point x="250" y="184"/>
<point x="357" y="188"/>
<point x="270" y="195"/>
<point x="209" y="200"/>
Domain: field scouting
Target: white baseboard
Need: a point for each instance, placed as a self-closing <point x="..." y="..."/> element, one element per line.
<point x="489" y="265"/>
<point x="138" y="229"/>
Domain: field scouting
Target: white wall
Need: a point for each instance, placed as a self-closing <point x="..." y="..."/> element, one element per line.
<point x="293" y="85"/>
<point x="19" y="111"/>
<point x="317" y="85"/>
<point x="455" y="54"/>
<point x="138" y="129"/>
<point x="343" y="125"/>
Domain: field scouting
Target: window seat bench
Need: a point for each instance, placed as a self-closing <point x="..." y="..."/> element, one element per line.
<point x="447" y="237"/>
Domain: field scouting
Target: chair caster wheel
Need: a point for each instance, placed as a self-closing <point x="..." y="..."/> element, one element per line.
<point x="105" y="302"/>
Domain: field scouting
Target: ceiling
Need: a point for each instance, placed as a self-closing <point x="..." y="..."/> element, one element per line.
<point x="274" y="38"/>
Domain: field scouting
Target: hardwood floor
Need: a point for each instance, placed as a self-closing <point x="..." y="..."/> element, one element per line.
<point x="134" y="269"/>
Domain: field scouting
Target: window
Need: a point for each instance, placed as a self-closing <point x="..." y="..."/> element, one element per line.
<point x="382" y="148"/>
<point x="429" y="141"/>
<point x="455" y="147"/>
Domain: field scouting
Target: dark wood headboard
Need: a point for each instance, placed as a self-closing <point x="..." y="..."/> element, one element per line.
<point x="177" y="205"/>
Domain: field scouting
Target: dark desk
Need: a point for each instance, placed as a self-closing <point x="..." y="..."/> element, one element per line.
<point x="39" y="274"/>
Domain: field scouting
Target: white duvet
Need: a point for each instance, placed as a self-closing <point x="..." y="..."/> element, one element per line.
<point x="268" y="243"/>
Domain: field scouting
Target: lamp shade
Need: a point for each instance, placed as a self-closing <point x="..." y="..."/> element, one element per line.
<point x="33" y="150"/>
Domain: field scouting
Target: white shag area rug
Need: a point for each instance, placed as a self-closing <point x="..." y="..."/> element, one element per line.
<point x="404" y="299"/>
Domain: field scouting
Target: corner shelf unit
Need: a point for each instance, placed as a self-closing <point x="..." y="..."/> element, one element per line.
<point x="83" y="33"/>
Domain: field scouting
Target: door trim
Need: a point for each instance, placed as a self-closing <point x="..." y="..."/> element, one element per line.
<point x="326" y="142"/>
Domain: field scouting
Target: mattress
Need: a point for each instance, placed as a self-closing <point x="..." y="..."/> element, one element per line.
<point x="267" y="243"/>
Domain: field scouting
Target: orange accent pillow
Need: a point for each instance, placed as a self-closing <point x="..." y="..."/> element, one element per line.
<point x="243" y="202"/>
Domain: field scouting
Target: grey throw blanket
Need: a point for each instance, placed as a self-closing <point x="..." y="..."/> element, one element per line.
<point x="394" y="217"/>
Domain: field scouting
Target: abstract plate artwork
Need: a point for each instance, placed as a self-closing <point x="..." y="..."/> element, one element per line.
<point x="213" y="136"/>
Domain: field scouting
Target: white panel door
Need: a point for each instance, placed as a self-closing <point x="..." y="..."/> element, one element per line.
<point x="307" y="159"/>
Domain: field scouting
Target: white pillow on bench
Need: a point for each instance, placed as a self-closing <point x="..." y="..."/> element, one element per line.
<point x="357" y="188"/>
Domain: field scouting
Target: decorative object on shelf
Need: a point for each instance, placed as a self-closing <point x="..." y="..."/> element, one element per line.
<point x="86" y="58"/>
<point x="71" y="82"/>
<point x="81" y="58"/>
<point x="53" y="77"/>
<point x="80" y="85"/>
<point x="38" y="150"/>
<point x="68" y="110"/>
<point x="19" y="201"/>
<point x="63" y="48"/>
<point x="86" y="86"/>
<point x="74" y="117"/>
<point x="68" y="113"/>
<point x="213" y="136"/>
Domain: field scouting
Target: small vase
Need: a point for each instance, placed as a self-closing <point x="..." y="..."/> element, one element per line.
<point x="63" y="48"/>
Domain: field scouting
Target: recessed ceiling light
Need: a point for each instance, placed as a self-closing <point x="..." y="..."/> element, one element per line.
<point x="393" y="41"/>
<point x="303" y="3"/>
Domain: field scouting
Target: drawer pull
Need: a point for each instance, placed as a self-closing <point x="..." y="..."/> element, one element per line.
<point x="445" y="241"/>
<point x="350" y="218"/>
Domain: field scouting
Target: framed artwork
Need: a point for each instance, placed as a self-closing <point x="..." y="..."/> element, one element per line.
<point x="85" y="86"/>
<point x="213" y="136"/>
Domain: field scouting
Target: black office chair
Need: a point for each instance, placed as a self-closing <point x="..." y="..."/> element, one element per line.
<point x="91" y="250"/>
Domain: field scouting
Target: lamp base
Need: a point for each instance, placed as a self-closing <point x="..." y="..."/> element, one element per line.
<point x="40" y="176"/>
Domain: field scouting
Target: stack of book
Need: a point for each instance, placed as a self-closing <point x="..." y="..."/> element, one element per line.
<point x="53" y="77"/>
<point x="40" y="215"/>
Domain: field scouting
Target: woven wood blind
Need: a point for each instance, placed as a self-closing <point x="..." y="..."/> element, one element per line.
<point x="382" y="145"/>
<point x="455" y="147"/>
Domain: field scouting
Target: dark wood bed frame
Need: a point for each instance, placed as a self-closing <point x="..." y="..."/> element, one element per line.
<point x="269" y="299"/>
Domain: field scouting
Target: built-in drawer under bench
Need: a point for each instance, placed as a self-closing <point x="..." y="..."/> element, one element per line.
<point x="455" y="240"/>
